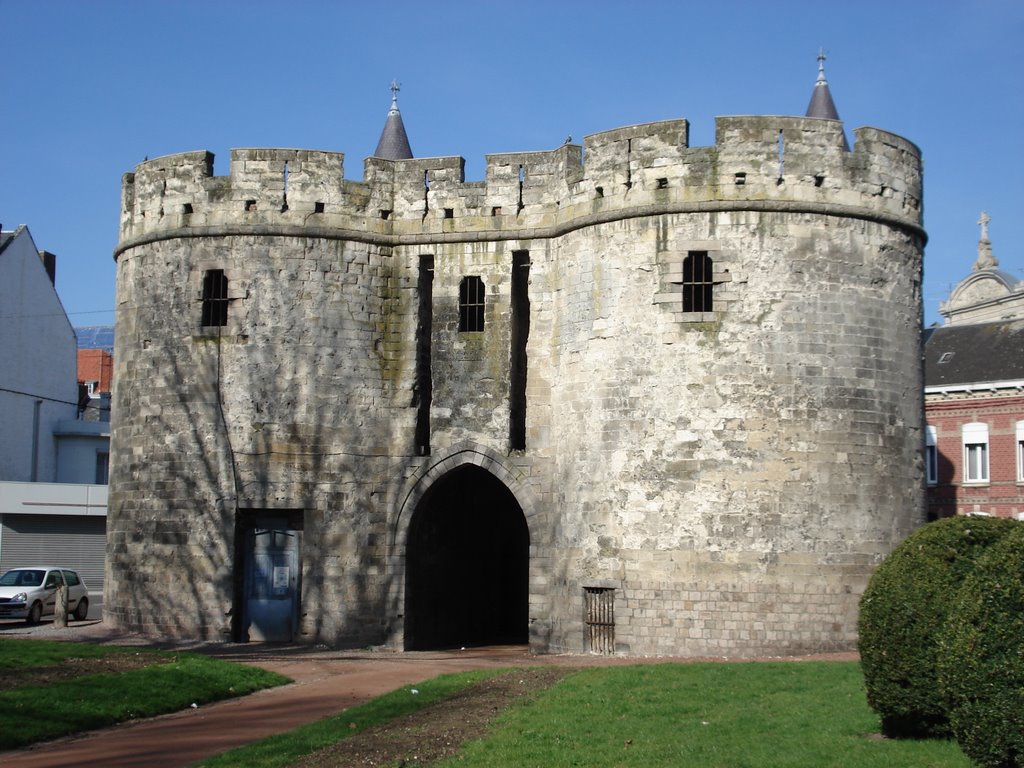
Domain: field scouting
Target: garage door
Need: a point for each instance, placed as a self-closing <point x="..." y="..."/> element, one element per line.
<point x="75" y="542"/>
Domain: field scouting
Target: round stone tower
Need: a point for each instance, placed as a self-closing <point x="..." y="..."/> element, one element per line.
<point x="666" y="402"/>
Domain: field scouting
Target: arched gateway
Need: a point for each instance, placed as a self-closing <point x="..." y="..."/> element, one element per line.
<point x="467" y="564"/>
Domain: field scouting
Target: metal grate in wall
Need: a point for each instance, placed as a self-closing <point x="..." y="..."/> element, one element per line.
<point x="599" y="619"/>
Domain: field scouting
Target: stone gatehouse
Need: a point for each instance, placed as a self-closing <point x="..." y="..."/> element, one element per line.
<point x="666" y="400"/>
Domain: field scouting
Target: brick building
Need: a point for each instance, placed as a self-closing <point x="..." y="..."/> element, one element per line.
<point x="95" y="370"/>
<point x="974" y="395"/>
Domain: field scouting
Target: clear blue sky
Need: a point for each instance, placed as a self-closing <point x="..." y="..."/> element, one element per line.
<point x="89" y="89"/>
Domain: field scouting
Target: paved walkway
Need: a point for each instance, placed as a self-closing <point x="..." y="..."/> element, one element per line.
<point x="325" y="682"/>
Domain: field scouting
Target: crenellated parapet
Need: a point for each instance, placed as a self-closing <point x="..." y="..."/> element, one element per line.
<point x="629" y="395"/>
<point x="757" y="163"/>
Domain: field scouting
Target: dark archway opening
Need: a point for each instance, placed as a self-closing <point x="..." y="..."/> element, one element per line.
<point x="467" y="565"/>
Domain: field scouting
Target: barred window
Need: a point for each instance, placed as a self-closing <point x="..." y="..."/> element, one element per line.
<point x="471" y="304"/>
<point x="215" y="298"/>
<point x="697" y="285"/>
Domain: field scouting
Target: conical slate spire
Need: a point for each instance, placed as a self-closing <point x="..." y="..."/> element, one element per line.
<point x="821" y="99"/>
<point x="394" y="143"/>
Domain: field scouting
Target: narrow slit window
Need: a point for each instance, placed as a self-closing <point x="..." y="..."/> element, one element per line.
<point x="215" y="298"/>
<point x="698" y="287"/>
<point x="520" y="335"/>
<point x="471" y="304"/>
<point x="424" y="386"/>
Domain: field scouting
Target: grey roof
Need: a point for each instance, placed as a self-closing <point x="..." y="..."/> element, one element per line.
<point x="974" y="354"/>
<point x="821" y="98"/>
<point x="394" y="143"/>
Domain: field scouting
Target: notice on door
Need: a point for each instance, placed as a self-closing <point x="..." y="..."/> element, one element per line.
<point x="280" y="579"/>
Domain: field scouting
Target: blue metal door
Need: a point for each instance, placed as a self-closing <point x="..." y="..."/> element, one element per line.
<point x="272" y="583"/>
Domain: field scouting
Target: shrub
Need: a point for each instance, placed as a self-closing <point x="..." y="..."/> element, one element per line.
<point x="981" y="658"/>
<point x="901" y="613"/>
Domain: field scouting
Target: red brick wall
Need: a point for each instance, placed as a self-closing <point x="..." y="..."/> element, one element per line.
<point x="1002" y="495"/>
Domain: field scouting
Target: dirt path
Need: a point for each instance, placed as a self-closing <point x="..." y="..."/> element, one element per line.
<point x="437" y="732"/>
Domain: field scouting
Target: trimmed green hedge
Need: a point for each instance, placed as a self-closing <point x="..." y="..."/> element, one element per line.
<point x="981" y="658"/>
<point x="902" y="612"/>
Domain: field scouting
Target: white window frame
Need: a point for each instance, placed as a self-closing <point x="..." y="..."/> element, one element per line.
<point x="931" y="455"/>
<point x="976" y="453"/>
<point x="1020" y="451"/>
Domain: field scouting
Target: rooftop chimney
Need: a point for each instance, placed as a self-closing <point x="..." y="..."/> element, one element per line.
<point x="50" y="263"/>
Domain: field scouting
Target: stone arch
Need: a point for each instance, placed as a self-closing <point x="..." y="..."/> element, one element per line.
<point x="461" y="550"/>
<point x="461" y="454"/>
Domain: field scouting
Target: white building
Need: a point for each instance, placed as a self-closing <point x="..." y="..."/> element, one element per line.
<point x="52" y="489"/>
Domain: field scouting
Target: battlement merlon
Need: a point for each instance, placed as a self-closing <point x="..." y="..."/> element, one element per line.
<point x="762" y="162"/>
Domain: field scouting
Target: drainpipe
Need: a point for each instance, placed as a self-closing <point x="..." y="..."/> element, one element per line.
<point x="35" y="441"/>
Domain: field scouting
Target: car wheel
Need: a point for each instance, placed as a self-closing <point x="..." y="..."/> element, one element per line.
<point x="82" y="609"/>
<point x="35" y="613"/>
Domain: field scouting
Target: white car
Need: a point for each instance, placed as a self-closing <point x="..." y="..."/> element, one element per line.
<point x="31" y="593"/>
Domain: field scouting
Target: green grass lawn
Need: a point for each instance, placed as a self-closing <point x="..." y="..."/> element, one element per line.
<point x="35" y="711"/>
<point x="756" y="715"/>
<point x="28" y="654"/>
<point x="761" y="715"/>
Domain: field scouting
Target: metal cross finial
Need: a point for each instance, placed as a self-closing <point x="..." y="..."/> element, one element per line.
<point x="395" y="88"/>
<point x="821" y="65"/>
<point x="984" y="220"/>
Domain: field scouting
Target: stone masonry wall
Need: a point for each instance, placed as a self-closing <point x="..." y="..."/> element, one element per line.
<point x="732" y="475"/>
